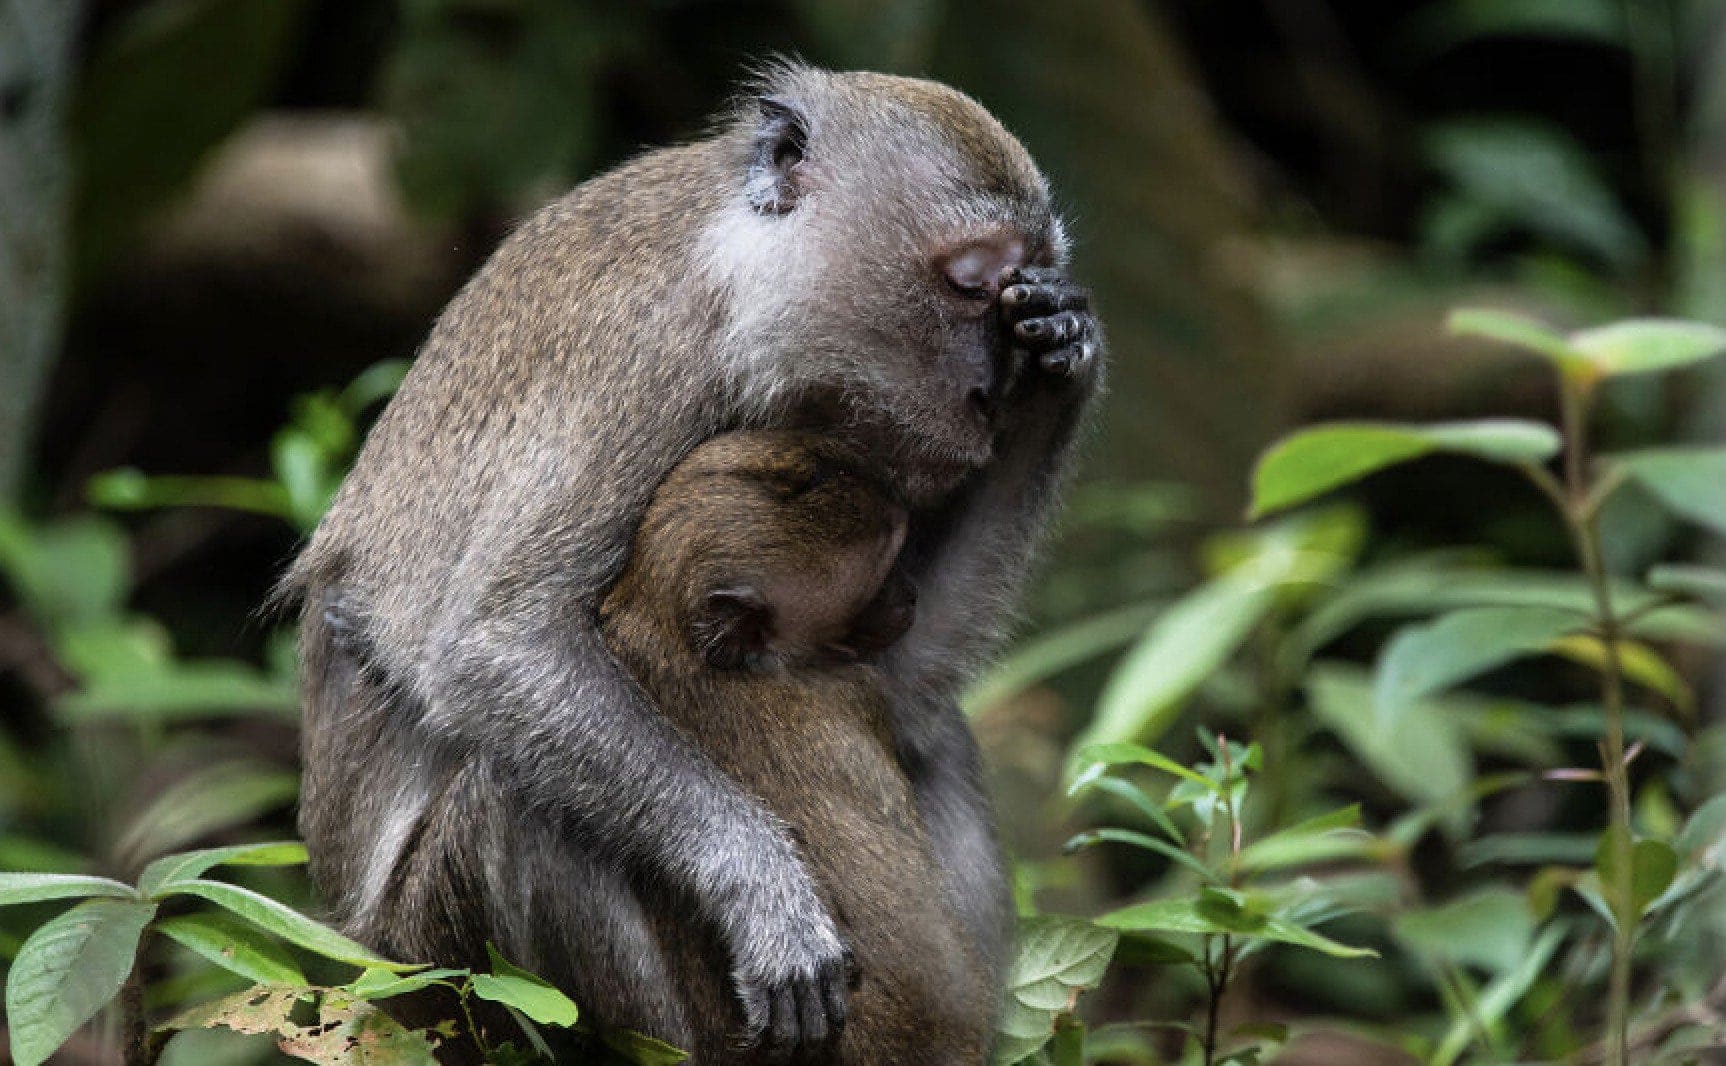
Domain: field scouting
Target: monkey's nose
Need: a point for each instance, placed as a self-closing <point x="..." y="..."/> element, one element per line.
<point x="974" y="268"/>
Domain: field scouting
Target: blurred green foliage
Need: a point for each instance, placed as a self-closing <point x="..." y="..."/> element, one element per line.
<point x="1275" y="207"/>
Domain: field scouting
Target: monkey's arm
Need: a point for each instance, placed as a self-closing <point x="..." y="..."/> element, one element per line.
<point x="537" y="691"/>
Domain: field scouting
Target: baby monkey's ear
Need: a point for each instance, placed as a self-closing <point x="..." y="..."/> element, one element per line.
<point x="732" y="627"/>
<point x="781" y="139"/>
<point x="887" y="617"/>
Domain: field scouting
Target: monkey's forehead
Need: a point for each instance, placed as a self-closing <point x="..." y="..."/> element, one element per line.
<point x="912" y="124"/>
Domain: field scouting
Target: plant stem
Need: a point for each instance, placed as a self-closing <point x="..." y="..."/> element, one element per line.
<point x="1582" y="515"/>
<point x="1217" y="982"/>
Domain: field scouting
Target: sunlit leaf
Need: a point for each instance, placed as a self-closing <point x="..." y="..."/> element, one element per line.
<point x="527" y="992"/>
<point x="1638" y="662"/>
<point x="170" y="868"/>
<point x="1057" y="959"/>
<point x="67" y="970"/>
<point x="36" y="887"/>
<point x="1648" y="345"/>
<point x="1317" y="460"/>
<point x="1518" y="330"/>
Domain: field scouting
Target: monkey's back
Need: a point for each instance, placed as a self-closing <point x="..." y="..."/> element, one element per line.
<point x="830" y="773"/>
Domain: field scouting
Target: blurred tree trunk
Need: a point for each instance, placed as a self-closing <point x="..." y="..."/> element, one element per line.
<point x="36" y="38"/>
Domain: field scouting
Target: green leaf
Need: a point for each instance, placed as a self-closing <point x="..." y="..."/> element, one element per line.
<point x="1192" y="639"/>
<point x="284" y="921"/>
<point x="1097" y="758"/>
<point x="1315" y="461"/>
<point x="1490" y="928"/>
<point x="127" y="489"/>
<point x="1697" y="582"/>
<point x="1653" y="865"/>
<point x="1687" y="480"/>
<point x="641" y="1049"/>
<point x="1648" y="345"/>
<point x="70" y="572"/>
<point x="159" y="875"/>
<point x="1499" y="996"/>
<point x="382" y="984"/>
<point x="1140" y="840"/>
<point x="1638" y="662"/>
<point x="1515" y="329"/>
<point x="234" y="946"/>
<point x="34" y="887"/>
<point x="1136" y="798"/>
<point x="1705" y="829"/>
<point x="1423" y="660"/>
<point x="1322" y="839"/>
<point x="67" y="970"/>
<point x="527" y="992"/>
<point x="1057" y="959"/>
<point x="1058" y="651"/>
<point x="218" y="796"/>
<point x="1194" y="916"/>
<point x="1425" y="758"/>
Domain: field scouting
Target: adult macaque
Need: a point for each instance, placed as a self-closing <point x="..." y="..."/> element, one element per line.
<point x="870" y="257"/>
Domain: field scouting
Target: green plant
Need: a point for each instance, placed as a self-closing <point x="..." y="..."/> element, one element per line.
<point x="1631" y="875"/>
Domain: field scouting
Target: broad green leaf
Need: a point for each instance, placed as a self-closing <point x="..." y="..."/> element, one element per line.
<point x="1687" y="480"/>
<point x="382" y="984"/>
<point x="67" y="970"/>
<point x="1321" y="839"/>
<point x="1698" y="582"/>
<point x="1425" y="758"/>
<point x="1188" y="644"/>
<point x="1705" y="829"/>
<point x="35" y="887"/>
<point x="70" y="572"/>
<point x="1637" y="661"/>
<point x="180" y="690"/>
<point x="1057" y="959"/>
<point x="1050" y="655"/>
<point x="1653" y="865"/>
<point x="285" y="922"/>
<point x="527" y="992"/>
<point x="1315" y="461"/>
<point x="1423" y="660"/>
<point x="1648" y="345"/>
<point x="159" y="875"/>
<point x="234" y="946"/>
<point x="1490" y="928"/>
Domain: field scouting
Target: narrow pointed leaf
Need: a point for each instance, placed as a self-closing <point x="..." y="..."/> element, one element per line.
<point x="1638" y="661"/>
<point x="285" y="922"/>
<point x="34" y="887"/>
<point x="67" y="970"/>
<point x="1511" y="328"/>
<point x="160" y="875"/>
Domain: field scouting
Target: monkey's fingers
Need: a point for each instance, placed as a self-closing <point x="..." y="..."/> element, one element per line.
<point x="782" y="1029"/>
<point x="1054" y="331"/>
<point x="1069" y="362"/>
<point x="1026" y="299"/>
<point x="757" y="1011"/>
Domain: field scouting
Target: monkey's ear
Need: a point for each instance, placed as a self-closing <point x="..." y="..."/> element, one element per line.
<point x="733" y="626"/>
<point x="779" y="144"/>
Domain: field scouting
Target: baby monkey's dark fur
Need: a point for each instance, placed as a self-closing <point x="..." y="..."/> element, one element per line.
<point x="761" y="587"/>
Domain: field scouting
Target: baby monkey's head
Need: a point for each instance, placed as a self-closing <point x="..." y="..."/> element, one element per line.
<point x="773" y="547"/>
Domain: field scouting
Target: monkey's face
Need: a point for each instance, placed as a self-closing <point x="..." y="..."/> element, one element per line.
<point x="780" y="547"/>
<point x="881" y="213"/>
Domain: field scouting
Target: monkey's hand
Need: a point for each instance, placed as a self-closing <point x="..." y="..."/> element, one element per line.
<point x="1050" y="327"/>
<point x="791" y="971"/>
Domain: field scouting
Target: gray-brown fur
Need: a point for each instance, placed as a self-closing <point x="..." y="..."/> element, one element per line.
<point x="450" y="594"/>
<point x="786" y="539"/>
